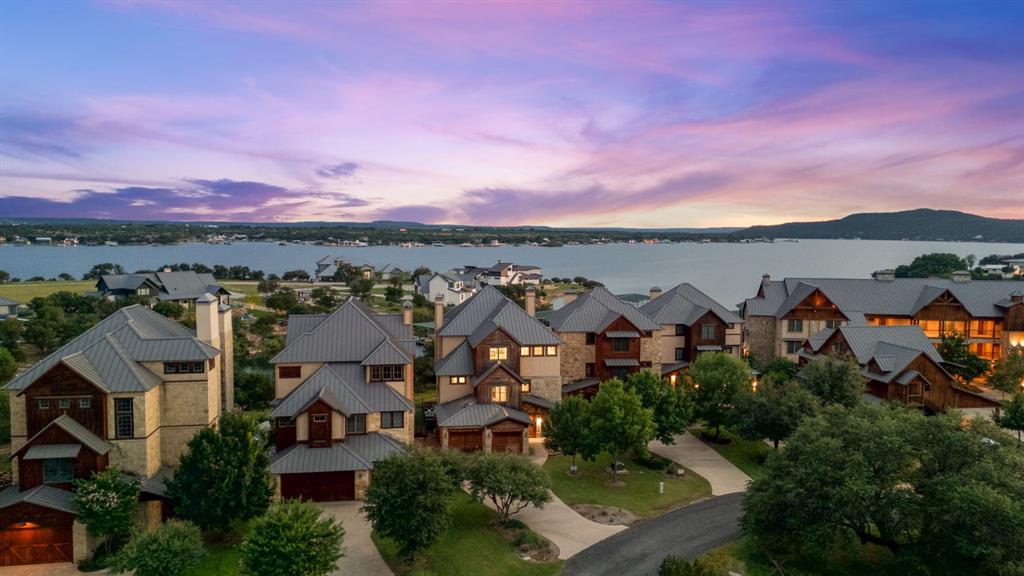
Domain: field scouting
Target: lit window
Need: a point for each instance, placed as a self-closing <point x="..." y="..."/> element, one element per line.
<point x="551" y="351"/>
<point x="525" y="388"/>
<point x="538" y="350"/>
<point x="499" y="394"/>
<point x="498" y="353"/>
<point x="525" y="351"/>
<point x="459" y="380"/>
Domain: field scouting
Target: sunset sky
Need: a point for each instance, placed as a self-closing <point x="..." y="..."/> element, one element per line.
<point x="565" y="114"/>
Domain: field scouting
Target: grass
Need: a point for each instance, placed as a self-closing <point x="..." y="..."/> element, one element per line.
<point x="222" y="556"/>
<point x="23" y="292"/>
<point x="639" y="495"/>
<point x="747" y="455"/>
<point x="472" y="546"/>
<point x="742" y="558"/>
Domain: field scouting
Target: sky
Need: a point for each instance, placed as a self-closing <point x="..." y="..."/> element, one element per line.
<point x="660" y="114"/>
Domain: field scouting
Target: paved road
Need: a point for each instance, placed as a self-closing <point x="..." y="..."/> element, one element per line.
<point x="687" y="532"/>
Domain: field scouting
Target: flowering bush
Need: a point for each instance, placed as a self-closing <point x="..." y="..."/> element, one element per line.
<point x="105" y="502"/>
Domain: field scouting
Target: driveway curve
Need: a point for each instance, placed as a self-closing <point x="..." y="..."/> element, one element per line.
<point x="639" y="550"/>
<point x="688" y="450"/>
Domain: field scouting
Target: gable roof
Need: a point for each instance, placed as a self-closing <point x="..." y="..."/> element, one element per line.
<point x="42" y="495"/>
<point x="596" y="310"/>
<point x="476" y="380"/>
<point x="344" y="388"/>
<point x="358" y="452"/>
<point x="352" y="333"/>
<point x="7" y="302"/>
<point x="177" y="285"/>
<point x="458" y="362"/>
<point x="108" y="353"/>
<point x="685" y="304"/>
<point x="489" y="310"/>
<point x="76" y="431"/>
<point x="466" y="412"/>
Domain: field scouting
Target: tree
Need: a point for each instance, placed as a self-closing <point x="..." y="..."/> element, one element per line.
<point x="717" y="378"/>
<point x="779" y="369"/>
<point x="1008" y="373"/>
<point x="510" y="481"/>
<point x="935" y="491"/>
<point x="10" y="333"/>
<point x="672" y="408"/>
<point x="282" y="300"/>
<point x="421" y="271"/>
<point x="324" y="298"/>
<point x="46" y="329"/>
<point x="65" y="277"/>
<point x="171" y="550"/>
<point x="171" y="310"/>
<point x="423" y="368"/>
<point x="1012" y="417"/>
<point x="98" y="270"/>
<point x="105" y="502"/>
<point x="955" y="350"/>
<point x="932" y="265"/>
<point x="618" y="422"/>
<point x="834" y="380"/>
<point x="361" y="287"/>
<point x="268" y="284"/>
<point x="223" y="476"/>
<point x="773" y="411"/>
<point x="409" y="499"/>
<point x="567" y="428"/>
<point x="393" y="293"/>
<point x="5" y="276"/>
<point x="292" y="539"/>
<point x="8" y="366"/>
<point x="296" y="276"/>
<point x="254" y="390"/>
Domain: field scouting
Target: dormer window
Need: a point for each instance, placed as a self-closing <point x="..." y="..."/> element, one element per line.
<point x="387" y="373"/>
<point x="499" y="353"/>
<point x="499" y="393"/>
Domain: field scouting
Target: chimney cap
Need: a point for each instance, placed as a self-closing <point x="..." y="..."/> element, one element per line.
<point x="206" y="298"/>
<point x="655" y="289"/>
<point x="407" y="305"/>
<point x="439" y="298"/>
<point x="531" y="288"/>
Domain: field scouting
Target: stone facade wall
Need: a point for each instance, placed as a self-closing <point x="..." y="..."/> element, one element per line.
<point x="83" y="545"/>
<point x="761" y="335"/>
<point x="549" y="388"/>
<point x="650" y="351"/>
<point x="576" y="354"/>
<point x="362" y="483"/>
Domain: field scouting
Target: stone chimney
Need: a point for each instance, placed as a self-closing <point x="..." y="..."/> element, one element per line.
<point x="765" y="278"/>
<point x="568" y="297"/>
<point x="227" y="358"/>
<point x="961" y="276"/>
<point x="207" y="320"/>
<point x="407" y="316"/>
<point x="887" y="275"/>
<point x="531" y="301"/>
<point x="438" y="312"/>
<point x="655" y="292"/>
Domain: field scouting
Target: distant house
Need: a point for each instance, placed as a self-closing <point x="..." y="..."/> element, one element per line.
<point x="326" y="268"/>
<point x="453" y="288"/>
<point x="8" y="308"/>
<point x="1016" y="266"/>
<point x="181" y="287"/>
<point x="390" y="271"/>
<point x="508" y="274"/>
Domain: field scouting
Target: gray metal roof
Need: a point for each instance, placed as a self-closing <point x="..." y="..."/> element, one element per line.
<point x="386" y="353"/>
<point x="538" y="401"/>
<point x="76" y="431"/>
<point x="476" y="380"/>
<point x="488" y="310"/>
<point x="709" y="348"/>
<point x="865" y="341"/>
<point x="621" y="362"/>
<point x="579" y="385"/>
<point x="181" y="285"/>
<point x="595" y="311"/>
<point x="622" y="334"/>
<point x="675" y="367"/>
<point x="349" y="334"/>
<point x="45" y="496"/>
<point x="7" y="302"/>
<point x="48" y="451"/>
<point x="898" y="297"/>
<point x="458" y="362"/>
<point x="466" y="412"/>
<point x="685" y="304"/>
<point x="356" y="452"/>
<point x="157" y="483"/>
<point x="108" y="353"/>
<point x="342" y="386"/>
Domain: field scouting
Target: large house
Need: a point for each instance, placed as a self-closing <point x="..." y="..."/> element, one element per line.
<point x="183" y="287"/>
<point x="129" y="392"/>
<point x="510" y="274"/>
<point x="453" y="287"/>
<point x="691" y="322"/>
<point x="497" y="372"/>
<point x="604" y="338"/>
<point x="990" y="313"/>
<point x="344" y="400"/>
<point x="900" y="363"/>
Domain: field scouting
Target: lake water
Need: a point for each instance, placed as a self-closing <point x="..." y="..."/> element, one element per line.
<point x="727" y="272"/>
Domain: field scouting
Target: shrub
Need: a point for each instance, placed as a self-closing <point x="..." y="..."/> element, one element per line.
<point x="677" y="566"/>
<point x="291" y="539"/>
<point x="171" y="550"/>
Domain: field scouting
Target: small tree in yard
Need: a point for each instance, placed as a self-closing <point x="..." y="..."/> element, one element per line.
<point x="955" y="349"/>
<point x="173" y="549"/>
<point x="618" y="422"/>
<point x="671" y="406"/>
<point x="292" y="539"/>
<point x="567" y="428"/>
<point x="834" y="380"/>
<point x="409" y="499"/>
<point x="223" y="476"/>
<point x="105" y="502"/>
<point x="511" y="482"/>
<point x="717" y="378"/>
<point x="1008" y="373"/>
<point x="773" y="411"/>
<point x="282" y="300"/>
<point x="1012" y="417"/>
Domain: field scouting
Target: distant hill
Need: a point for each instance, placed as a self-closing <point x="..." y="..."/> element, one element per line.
<point x="920" y="224"/>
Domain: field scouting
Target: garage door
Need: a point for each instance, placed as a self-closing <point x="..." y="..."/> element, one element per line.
<point x="35" y="544"/>
<point x="466" y="440"/>
<point x="507" y="442"/>
<point x="319" y="487"/>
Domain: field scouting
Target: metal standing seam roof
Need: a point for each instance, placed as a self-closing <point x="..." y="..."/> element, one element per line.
<point x="538" y="401"/>
<point x="596" y="310"/>
<point x="76" y="431"/>
<point x="458" y="362"/>
<point x="621" y="362"/>
<point x="7" y="302"/>
<point x="349" y="334"/>
<point x="355" y="452"/>
<point x="466" y="412"/>
<point x="579" y="385"/>
<point x="488" y="310"/>
<point x="622" y="334"/>
<point x="108" y="353"/>
<point x="685" y="304"/>
<point x="674" y="367"/>
<point x="47" y="451"/>
<point x="43" y="495"/>
<point x="342" y="386"/>
<point x="864" y="341"/>
<point x="476" y="380"/>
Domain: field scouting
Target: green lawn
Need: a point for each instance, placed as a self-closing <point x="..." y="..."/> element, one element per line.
<point x="639" y="495"/>
<point x="472" y="546"/>
<point x="222" y="556"/>
<point x="24" y="291"/>
<point x="747" y="455"/>
<point x="742" y="558"/>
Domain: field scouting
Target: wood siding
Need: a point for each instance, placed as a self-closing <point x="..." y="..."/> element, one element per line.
<point x="694" y="336"/>
<point x="47" y="539"/>
<point x="319" y="433"/>
<point x="497" y="339"/>
<point x="603" y="349"/>
<point x="30" y="472"/>
<point x="61" y="382"/>
<point x="500" y="377"/>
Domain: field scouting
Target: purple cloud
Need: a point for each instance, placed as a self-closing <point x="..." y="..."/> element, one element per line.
<point x="343" y="170"/>
<point x="424" y="214"/>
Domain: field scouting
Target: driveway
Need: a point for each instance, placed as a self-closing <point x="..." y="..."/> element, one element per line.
<point x="688" y="450"/>
<point x="639" y="550"/>
<point x="62" y="569"/>
<point x="361" y="556"/>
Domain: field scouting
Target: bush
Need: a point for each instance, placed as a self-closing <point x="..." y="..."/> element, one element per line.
<point x="105" y="502"/>
<point x="531" y="539"/>
<point x="677" y="566"/>
<point x="291" y="539"/>
<point x="172" y="549"/>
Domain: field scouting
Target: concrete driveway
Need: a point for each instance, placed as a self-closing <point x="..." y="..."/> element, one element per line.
<point x="62" y="569"/>
<point x="361" y="555"/>
<point x="688" y="450"/>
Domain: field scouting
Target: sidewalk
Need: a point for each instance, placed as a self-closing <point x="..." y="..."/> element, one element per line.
<point x="688" y="450"/>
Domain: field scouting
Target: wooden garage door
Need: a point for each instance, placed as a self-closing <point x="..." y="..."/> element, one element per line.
<point x="466" y="440"/>
<point x="319" y="487"/>
<point x="45" y="537"/>
<point x="507" y="442"/>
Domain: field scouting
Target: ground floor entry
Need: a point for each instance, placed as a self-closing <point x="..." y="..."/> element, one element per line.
<point x="35" y="535"/>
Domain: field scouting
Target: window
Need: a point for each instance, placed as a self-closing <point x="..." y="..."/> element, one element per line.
<point x="320" y="418"/>
<point x="538" y="350"/>
<point x="85" y="403"/>
<point x="170" y="368"/>
<point x="43" y="404"/>
<point x="289" y="371"/>
<point x="355" y="424"/>
<point x="124" y="420"/>
<point x="197" y="367"/>
<point x="58" y="470"/>
<point x="525" y="387"/>
<point x="459" y="380"/>
<point x="286" y="422"/>
<point x="680" y="329"/>
<point x="680" y="354"/>
<point x="931" y="328"/>
<point x="392" y="419"/>
<point x="387" y="373"/>
<point x="498" y="353"/>
<point x="793" y="346"/>
<point x="794" y="325"/>
<point x="142" y="291"/>
<point x="64" y="403"/>
<point x="588" y="370"/>
<point x="591" y="338"/>
<point x="831" y="324"/>
<point x="525" y="351"/>
<point x="551" y="351"/>
<point x="620" y="344"/>
<point x="620" y="372"/>
<point x="708" y="331"/>
<point x="499" y="394"/>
